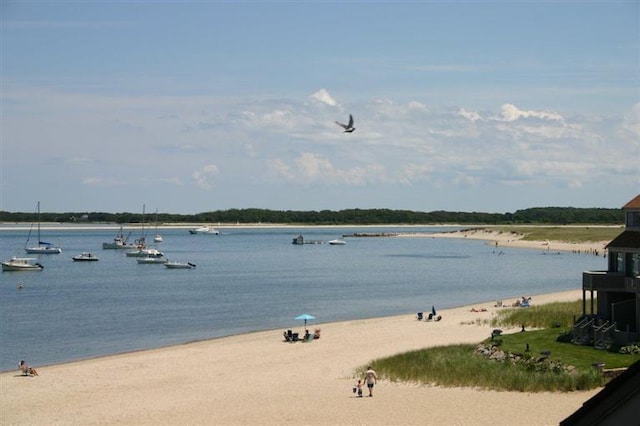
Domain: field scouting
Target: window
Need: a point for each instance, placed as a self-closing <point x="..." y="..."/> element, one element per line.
<point x="616" y="262"/>
<point x="635" y="265"/>
<point x="633" y="220"/>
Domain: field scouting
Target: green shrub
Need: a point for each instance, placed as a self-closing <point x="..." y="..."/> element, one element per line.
<point x="631" y="349"/>
<point x="565" y="337"/>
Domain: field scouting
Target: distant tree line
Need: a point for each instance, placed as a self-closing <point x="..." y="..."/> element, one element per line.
<point x="538" y="215"/>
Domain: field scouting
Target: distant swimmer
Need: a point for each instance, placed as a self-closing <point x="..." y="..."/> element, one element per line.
<point x="348" y="128"/>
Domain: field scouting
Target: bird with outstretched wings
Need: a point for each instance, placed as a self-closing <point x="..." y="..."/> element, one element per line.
<point x="348" y="128"/>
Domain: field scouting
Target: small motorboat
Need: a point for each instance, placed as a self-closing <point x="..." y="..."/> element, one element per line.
<point x="85" y="257"/>
<point x="144" y="252"/>
<point x="21" y="264"/>
<point x="180" y="265"/>
<point x="204" y="230"/>
<point x="337" y="242"/>
<point x="152" y="259"/>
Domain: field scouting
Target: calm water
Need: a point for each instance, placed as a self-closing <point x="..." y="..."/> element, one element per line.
<point x="248" y="280"/>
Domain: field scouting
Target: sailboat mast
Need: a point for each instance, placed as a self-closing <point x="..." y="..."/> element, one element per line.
<point x="143" y="234"/>
<point x="38" y="217"/>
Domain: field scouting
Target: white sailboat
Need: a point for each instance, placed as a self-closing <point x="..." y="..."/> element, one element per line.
<point x="42" y="247"/>
<point x="140" y="249"/>
<point x="158" y="238"/>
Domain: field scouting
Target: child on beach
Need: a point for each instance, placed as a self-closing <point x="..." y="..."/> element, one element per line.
<point x="358" y="388"/>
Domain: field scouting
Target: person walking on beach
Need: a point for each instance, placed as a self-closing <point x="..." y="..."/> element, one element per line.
<point x="371" y="378"/>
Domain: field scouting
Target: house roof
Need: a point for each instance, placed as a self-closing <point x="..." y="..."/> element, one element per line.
<point x="633" y="204"/>
<point x="628" y="239"/>
<point x="616" y="399"/>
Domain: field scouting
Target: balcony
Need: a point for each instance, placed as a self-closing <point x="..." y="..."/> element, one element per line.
<point x="603" y="280"/>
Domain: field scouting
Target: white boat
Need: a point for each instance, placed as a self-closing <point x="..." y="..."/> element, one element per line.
<point x="337" y="242"/>
<point x="42" y="247"/>
<point x="140" y="245"/>
<point x="119" y="242"/>
<point x="204" y="230"/>
<point x="180" y="265"/>
<point x="21" y="264"/>
<point x="85" y="257"/>
<point x="145" y="252"/>
<point x="152" y="259"/>
<point x="158" y="238"/>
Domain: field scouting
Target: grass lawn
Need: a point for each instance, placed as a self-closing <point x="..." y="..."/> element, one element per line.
<point x="581" y="357"/>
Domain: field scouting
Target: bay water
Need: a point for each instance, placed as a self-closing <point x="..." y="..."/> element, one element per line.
<point x="250" y="279"/>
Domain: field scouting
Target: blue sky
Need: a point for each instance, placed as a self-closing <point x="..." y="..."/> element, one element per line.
<point x="197" y="106"/>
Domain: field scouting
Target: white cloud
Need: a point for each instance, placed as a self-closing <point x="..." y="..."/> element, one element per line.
<point x="469" y="115"/>
<point x="280" y="118"/>
<point x="323" y="96"/>
<point x="312" y="168"/>
<point x="204" y="175"/>
<point x="512" y="113"/>
<point x="411" y="143"/>
<point x="99" y="181"/>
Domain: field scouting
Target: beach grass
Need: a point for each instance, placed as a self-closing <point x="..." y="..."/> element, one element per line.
<point x="546" y="363"/>
<point x="548" y="315"/>
<point x="568" y="234"/>
<point x="460" y="366"/>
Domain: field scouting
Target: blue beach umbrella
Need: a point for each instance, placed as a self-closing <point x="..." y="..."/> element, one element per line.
<point x="305" y="317"/>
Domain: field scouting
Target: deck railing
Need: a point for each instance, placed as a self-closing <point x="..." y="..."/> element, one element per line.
<point x="603" y="336"/>
<point x="583" y="331"/>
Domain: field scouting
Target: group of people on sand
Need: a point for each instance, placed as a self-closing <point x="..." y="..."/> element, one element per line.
<point x="370" y="378"/>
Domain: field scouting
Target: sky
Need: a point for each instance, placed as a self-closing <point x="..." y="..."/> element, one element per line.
<point x="195" y="106"/>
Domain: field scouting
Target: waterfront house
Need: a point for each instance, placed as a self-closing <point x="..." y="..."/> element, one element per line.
<point x="611" y="298"/>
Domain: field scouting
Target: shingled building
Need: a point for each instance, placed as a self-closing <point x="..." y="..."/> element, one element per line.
<point x="611" y="298"/>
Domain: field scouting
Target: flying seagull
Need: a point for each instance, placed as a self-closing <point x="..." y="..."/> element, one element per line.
<point x="348" y="128"/>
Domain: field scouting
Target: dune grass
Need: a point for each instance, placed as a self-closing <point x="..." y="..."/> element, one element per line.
<point x="558" y="314"/>
<point x="461" y="365"/>
<point x="569" y="234"/>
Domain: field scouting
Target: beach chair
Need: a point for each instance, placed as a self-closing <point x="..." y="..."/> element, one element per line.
<point x="419" y="316"/>
<point x="23" y="369"/>
<point x="288" y="336"/>
<point x="26" y="370"/>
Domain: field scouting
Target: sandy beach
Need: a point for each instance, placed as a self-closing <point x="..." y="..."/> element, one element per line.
<point x="259" y="379"/>
<point x="509" y="239"/>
